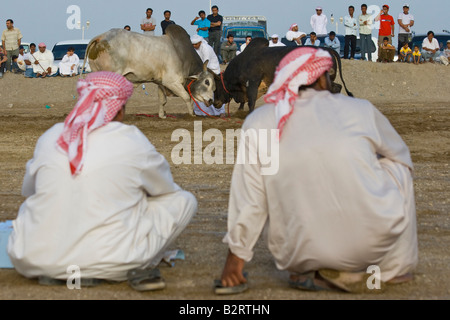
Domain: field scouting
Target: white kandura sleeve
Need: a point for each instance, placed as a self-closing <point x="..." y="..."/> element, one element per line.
<point x="247" y="207"/>
<point x="388" y="142"/>
<point x="156" y="176"/>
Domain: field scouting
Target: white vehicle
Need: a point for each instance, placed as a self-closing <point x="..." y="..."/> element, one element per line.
<point x="60" y="49"/>
<point x="26" y="46"/>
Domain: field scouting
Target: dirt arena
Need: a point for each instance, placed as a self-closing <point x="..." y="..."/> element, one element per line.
<point x="416" y="99"/>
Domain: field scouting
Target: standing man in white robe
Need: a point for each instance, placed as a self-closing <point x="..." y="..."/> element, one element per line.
<point x="69" y="63"/>
<point x="98" y="196"/>
<point x="206" y="52"/>
<point x="319" y="22"/>
<point x="43" y="62"/>
<point x="342" y="199"/>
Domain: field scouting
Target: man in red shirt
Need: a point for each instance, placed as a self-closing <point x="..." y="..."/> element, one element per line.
<point x="386" y="25"/>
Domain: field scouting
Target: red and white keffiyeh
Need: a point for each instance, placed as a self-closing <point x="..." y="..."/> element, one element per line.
<point x="101" y="96"/>
<point x="292" y="26"/>
<point x="301" y="67"/>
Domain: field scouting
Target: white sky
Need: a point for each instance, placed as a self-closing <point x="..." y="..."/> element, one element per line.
<point x="46" y="20"/>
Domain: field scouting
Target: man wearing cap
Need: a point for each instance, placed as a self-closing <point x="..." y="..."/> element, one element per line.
<point x="274" y="41"/>
<point x="386" y="25"/>
<point x="43" y="64"/>
<point x="294" y="35"/>
<point x="319" y="22"/>
<point x="206" y="52"/>
<point x="405" y="22"/>
<point x="342" y="199"/>
<point x="228" y="49"/>
<point x="21" y="59"/>
<point x="99" y="196"/>
<point x="11" y="40"/>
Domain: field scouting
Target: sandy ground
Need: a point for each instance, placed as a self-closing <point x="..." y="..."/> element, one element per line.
<point x="414" y="98"/>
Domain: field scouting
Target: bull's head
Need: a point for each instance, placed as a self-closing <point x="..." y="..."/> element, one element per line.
<point x="203" y="87"/>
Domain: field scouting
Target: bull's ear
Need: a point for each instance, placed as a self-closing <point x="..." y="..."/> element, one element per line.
<point x="193" y="77"/>
<point x="205" y="65"/>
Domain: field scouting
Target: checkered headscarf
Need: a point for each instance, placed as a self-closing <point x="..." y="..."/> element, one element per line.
<point x="101" y="96"/>
<point x="301" y="67"/>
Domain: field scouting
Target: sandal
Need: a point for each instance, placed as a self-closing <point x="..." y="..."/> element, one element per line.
<point x="145" y="279"/>
<point x="220" y="289"/>
<point x="353" y="282"/>
<point x="310" y="281"/>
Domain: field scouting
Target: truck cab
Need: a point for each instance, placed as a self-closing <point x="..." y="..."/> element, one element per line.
<point x="243" y="26"/>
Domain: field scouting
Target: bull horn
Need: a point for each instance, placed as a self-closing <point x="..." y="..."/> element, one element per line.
<point x="205" y="65"/>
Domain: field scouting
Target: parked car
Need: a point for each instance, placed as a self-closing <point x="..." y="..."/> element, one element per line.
<point x="374" y="47"/>
<point x="60" y="49"/>
<point x="243" y="26"/>
<point x="26" y="46"/>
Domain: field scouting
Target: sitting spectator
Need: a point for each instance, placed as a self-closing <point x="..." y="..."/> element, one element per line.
<point x="69" y="63"/>
<point x="416" y="55"/>
<point x="387" y="51"/>
<point x="43" y="64"/>
<point x="21" y="59"/>
<point x="228" y="49"/>
<point x="244" y="45"/>
<point x="446" y="54"/>
<point x="29" y="61"/>
<point x="430" y="48"/>
<point x="294" y="35"/>
<point x="274" y="41"/>
<point x="15" y="66"/>
<point x="3" y="59"/>
<point x="405" y="53"/>
<point x="312" y="41"/>
<point x="333" y="42"/>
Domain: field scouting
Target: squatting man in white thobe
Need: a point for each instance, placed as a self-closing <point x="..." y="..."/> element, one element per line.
<point x="206" y="52"/>
<point x="69" y="63"/>
<point x="342" y="199"/>
<point x="98" y="194"/>
<point x="43" y="62"/>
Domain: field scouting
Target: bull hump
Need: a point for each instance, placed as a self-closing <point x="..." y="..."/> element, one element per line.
<point x="98" y="46"/>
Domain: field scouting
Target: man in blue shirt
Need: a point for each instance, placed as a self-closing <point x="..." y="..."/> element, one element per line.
<point x="332" y="42"/>
<point x="202" y="23"/>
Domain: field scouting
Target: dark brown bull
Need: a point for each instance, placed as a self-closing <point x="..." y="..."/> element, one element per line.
<point x="249" y="75"/>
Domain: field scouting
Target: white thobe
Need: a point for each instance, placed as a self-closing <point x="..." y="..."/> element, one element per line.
<point x="319" y="23"/>
<point x="121" y="212"/>
<point x="45" y="60"/>
<point x="206" y="52"/>
<point x="291" y="35"/>
<point x="65" y="66"/>
<point x="333" y="203"/>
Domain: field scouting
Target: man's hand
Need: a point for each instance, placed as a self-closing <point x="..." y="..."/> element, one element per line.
<point x="232" y="272"/>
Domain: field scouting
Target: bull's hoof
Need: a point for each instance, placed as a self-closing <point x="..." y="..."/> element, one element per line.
<point x="162" y="115"/>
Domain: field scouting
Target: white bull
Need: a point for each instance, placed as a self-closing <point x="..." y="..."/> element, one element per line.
<point x="170" y="61"/>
